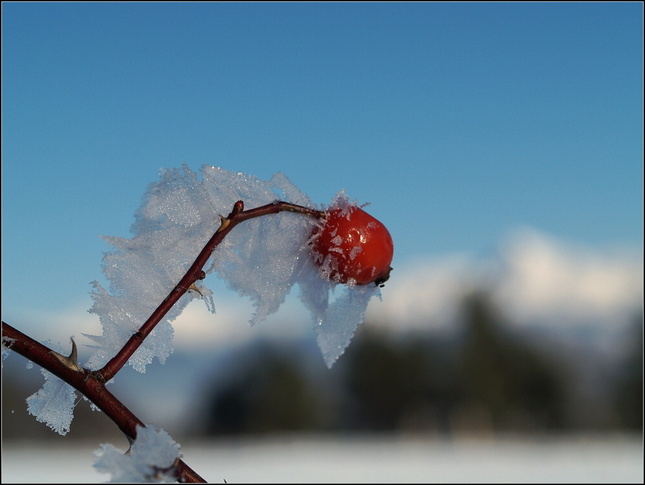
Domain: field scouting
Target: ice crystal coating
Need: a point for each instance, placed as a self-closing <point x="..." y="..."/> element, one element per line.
<point x="262" y="259"/>
<point x="149" y="460"/>
<point x="53" y="404"/>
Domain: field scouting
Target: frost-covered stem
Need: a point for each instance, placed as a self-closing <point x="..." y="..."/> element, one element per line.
<point x="92" y="383"/>
<point x="194" y="273"/>
<point x="83" y="381"/>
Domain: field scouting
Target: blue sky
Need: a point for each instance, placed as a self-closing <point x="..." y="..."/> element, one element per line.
<point x="458" y="122"/>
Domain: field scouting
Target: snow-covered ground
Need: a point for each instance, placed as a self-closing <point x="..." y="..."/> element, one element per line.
<point x="371" y="458"/>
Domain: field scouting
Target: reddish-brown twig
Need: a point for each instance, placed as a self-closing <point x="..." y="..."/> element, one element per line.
<point x="92" y="383"/>
<point x="82" y="380"/>
<point x="195" y="273"/>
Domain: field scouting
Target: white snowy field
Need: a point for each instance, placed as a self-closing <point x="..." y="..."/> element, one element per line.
<point x="364" y="459"/>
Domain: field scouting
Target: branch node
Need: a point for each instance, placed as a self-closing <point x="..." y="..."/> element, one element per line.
<point x="237" y="208"/>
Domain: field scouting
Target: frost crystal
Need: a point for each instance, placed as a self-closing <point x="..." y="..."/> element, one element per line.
<point x="260" y="258"/>
<point x="53" y="404"/>
<point x="149" y="460"/>
<point x="6" y="345"/>
<point x="337" y="324"/>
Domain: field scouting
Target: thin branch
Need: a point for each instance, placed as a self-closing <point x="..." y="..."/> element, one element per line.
<point x="195" y="273"/>
<point x="83" y="381"/>
<point x="92" y="383"/>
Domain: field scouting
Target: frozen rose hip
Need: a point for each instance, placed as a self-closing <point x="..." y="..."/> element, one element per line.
<point x="351" y="246"/>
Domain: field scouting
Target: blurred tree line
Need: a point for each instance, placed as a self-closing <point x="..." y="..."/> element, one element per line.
<point x="485" y="378"/>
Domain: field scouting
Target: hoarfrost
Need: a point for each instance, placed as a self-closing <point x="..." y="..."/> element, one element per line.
<point x="6" y="345"/>
<point x="53" y="404"/>
<point x="149" y="460"/>
<point x="336" y="316"/>
<point x="260" y="258"/>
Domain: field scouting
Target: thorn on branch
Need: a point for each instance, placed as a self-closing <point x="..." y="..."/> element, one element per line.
<point x="194" y="288"/>
<point x="224" y="223"/>
<point x="71" y="361"/>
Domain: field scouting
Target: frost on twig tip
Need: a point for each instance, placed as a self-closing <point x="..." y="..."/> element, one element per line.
<point x="7" y="342"/>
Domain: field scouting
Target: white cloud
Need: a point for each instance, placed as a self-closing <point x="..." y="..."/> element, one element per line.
<point x="542" y="277"/>
<point x="533" y="278"/>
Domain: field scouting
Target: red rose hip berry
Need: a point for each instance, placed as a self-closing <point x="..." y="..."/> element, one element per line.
<point x="350" y="246"/>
